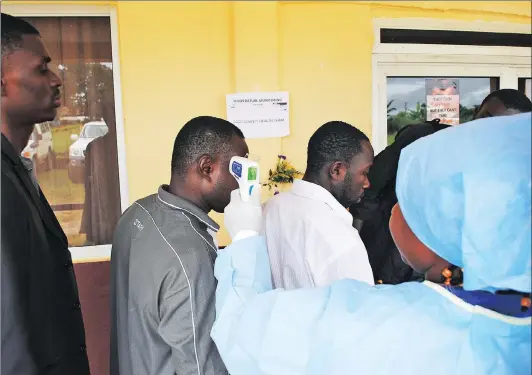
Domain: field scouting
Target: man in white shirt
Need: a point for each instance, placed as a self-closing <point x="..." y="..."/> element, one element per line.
<point x="309" y="232"/>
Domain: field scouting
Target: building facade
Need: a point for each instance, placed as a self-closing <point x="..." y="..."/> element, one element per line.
<point x="134" y="72"/>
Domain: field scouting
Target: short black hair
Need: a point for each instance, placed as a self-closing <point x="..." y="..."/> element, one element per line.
<point x="511" y="98"/>
<point x="13" y="30"/>
<point x="202" y="135"/>
<point x="333" y="141"/>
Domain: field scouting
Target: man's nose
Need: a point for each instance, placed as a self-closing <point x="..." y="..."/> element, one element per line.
<point x="56" y="81"/>
<point x="366" y="183"/>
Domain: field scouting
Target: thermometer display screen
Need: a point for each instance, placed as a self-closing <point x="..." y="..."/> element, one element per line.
<point x="252" y="173"/>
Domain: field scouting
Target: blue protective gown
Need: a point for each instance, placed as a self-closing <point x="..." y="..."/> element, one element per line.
<point x="472" y="210"/>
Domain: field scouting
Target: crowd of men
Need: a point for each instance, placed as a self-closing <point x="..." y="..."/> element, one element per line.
<point x="163" y="284"/>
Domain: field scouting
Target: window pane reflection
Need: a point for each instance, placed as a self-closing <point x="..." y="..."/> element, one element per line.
<point x="407" y="99"/>
<point x="75" y="155"/>
<point x="525" y="86"/>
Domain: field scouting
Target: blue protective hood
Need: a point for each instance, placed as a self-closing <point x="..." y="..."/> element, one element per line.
<point x="466" y="194"/>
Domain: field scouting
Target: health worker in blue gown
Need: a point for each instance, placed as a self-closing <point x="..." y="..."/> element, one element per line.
<point x="463" y="219"/>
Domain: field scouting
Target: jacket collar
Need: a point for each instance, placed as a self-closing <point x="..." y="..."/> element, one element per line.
<point x="178" y="203"/>
<point x="9" y="150"/>
<point x="42" y="205"/>
<point x="316" y="192"/>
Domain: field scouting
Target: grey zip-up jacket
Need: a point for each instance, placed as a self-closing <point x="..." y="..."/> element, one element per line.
<point x="163" y="290"/>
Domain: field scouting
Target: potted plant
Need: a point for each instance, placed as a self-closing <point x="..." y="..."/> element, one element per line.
<point x="284" y="173"/>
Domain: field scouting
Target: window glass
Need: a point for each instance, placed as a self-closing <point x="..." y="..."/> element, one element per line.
<point x="75" y="156"/>
<point x="525" y="86"/>
<point x="414" y="100"/>
<point x="93" y="130"/>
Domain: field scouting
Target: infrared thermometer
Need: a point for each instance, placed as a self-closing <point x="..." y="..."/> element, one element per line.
<point x="246" y="173"/>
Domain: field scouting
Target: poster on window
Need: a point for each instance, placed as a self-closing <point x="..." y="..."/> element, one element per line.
<point x="259" y="114"/>
<point x="443" y="100"/>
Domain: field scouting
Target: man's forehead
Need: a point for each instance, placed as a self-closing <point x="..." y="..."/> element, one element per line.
<point x="367" y="154"/>
<point x="368" y="147"/>
<point x="496" y="104"/>
<point x="492" y="107"/>
<point x="363" y="159"/>
<point x="32" y="48"/>
<point x="240" y="146"/>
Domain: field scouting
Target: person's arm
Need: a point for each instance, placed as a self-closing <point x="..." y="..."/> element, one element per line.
<point x="187" y="312"/>
<point x="18" y="356"/>
<point x="262" y="331"/>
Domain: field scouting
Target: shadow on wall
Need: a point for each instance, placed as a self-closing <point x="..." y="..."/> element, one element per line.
<point x="94" y="288"/>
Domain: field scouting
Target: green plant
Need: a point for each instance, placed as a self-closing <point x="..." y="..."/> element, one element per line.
<point x="390" y="109"/>
<point x="284" y="173"/>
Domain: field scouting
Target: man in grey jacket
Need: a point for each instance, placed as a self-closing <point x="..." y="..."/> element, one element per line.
<point x="162" y="277"/>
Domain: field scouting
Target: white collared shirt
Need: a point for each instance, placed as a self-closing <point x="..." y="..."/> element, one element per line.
<point x="311" y="240"/>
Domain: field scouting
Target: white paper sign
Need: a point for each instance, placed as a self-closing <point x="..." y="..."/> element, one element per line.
<point x="259" y="114"/>
<point x="443" y="100"/>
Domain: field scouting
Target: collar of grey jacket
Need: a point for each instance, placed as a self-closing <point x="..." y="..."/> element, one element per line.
<point x="178" y="203"/>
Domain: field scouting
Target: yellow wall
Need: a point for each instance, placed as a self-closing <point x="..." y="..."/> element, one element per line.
<point x="179" y="59"/>
<point x="320" y="52"/>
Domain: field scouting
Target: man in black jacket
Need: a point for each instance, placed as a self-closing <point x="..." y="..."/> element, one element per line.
<point x="373" y="212"/>
<point x="42" y="326"/>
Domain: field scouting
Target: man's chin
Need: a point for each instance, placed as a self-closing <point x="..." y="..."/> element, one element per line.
<point x="48" y="116"/>
<point x="220" y="209"/>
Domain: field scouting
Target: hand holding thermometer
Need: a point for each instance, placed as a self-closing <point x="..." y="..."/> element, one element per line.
<point x="246" y="172"/>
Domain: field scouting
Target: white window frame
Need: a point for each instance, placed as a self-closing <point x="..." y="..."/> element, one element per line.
<point x="100" y="252"/>
<point x="409" y="60"/>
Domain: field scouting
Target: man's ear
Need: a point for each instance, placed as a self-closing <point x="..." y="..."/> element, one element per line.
<point x="4" y="62"/>
<point x="205" y="167"/>
<point x="4" y="93"/>
<point x="337" y="171"/>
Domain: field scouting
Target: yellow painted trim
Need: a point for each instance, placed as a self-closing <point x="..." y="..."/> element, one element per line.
<point x="464" y="7"/>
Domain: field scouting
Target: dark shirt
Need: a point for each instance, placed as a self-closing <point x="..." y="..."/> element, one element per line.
<point x="376" y="206"/>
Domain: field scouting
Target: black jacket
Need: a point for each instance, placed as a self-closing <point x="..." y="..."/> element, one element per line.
<point x="376" y="206"/>
<point x="42" y="326"/>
